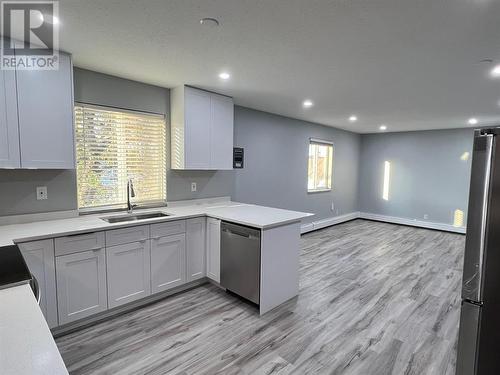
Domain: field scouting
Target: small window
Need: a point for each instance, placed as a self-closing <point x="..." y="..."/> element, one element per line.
<point x="319" y="174"/>
<point x="113" y="145"/>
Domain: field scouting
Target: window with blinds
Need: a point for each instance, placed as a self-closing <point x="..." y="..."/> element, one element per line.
<point x="114" y="145"/>
<point x="319" y="172"/>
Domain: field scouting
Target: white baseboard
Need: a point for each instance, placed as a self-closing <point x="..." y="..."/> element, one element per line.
<point x="412" y="222"/>
<point x="315" y="225"/>
<point x="323" y="223"/>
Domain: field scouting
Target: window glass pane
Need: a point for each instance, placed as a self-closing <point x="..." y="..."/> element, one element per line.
<point x="112" y="146"/>
<point x="319" y="174"/>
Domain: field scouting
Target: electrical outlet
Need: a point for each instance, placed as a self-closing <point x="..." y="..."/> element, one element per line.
<point x="41" y="193"/>
<point x="426" y="217"/>
<point x="332" y="207"/>
<point x="193" y="186"/>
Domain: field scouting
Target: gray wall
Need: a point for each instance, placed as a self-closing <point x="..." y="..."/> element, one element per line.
<point x="18" y="187"/>
<point x="428" y="176"/>
<point x="18" y="191"/>
<point x="276" y="154"/>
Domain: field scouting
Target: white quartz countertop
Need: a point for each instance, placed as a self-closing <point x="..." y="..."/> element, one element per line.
<point x="26" y="344"/>
<point x="246" y="214"/>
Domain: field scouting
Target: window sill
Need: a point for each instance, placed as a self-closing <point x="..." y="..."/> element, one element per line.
<point x="111" y="209"/>
<point x="318" y="191"/>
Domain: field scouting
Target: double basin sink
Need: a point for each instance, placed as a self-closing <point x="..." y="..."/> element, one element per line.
<point x="133" y="217"/>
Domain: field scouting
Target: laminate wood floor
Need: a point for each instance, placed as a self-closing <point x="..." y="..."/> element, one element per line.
<point x="375" y="298"/>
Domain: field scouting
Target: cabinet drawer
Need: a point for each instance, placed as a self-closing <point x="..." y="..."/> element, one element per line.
<point x="168" y="228"/>
<point x="80" y="242"/>
<point x="127" y="235"/>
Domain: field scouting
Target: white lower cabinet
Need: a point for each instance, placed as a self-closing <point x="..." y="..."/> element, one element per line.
<point x="89" y="273"/>
<point x="39" y="257"/>
<point x="168" y="262"/>
<point x="195" y="248"/>
<point x="213" y="249"/>
<point x="128" y="272"/>
<point x="81" y="285"/>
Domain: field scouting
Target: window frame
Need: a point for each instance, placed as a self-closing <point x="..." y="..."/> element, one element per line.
<point x="119" y="207"/>
<point x="322" y="142"/>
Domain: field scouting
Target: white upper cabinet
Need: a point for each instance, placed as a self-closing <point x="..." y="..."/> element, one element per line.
<point x="9" y="130"/>
<point x="45" y="109"/>
<point x="197" y="129"/>
<point x="221" y="133"/>
<point x="202" y="129"/>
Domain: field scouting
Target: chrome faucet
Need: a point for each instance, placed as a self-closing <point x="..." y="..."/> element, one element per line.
<point x="130" y="194"/>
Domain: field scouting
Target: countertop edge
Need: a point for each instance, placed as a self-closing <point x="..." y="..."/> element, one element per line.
<point x="39" y="354"/>
<point x="107" y="226"/>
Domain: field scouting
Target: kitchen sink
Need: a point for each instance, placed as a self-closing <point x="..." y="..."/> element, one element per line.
<point x="133" y="217"/>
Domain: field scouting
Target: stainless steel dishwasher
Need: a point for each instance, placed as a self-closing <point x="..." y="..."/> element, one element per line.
<point x="240" y="260"/>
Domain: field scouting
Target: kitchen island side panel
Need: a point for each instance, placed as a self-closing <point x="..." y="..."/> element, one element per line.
<point x="279" y="273"/>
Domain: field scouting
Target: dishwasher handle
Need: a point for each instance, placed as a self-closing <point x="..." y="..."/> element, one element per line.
<point x="249" y="233"/>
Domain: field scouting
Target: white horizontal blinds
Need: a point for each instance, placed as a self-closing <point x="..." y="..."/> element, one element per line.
<point x="320" y="165"/>
<point x="113" y="146"/>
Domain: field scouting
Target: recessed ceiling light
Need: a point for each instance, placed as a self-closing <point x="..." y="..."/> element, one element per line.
<point x="225" y="76"/>
<point x="472" y="121"/>
<point x="210" y="22"/>
<point x="495" y="72"/>
<point x="383" y="127"/>
<point x="307" y="103"/>
<point x="353" y="118"/>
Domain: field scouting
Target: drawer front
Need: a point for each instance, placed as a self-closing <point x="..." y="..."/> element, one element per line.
<point x="78" y="243"/>
<point x="127" y="235"/>
<point x="168" y="228"/>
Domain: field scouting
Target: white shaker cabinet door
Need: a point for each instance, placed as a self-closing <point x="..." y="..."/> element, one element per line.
<point x="213" y="249"/>
<point x="195" y="248"/>
<point x="129" y="272"/>
<point x="197" y="129"/>
<point x="39" y="256"/>
<point x="9" y="130"/>
<point x="221" y="132"/>
<point x="45" y="107"/>
<point x="81" y="285"/>
<point x="168" y="262"/>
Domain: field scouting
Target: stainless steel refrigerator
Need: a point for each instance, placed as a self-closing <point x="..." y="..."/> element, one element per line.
<point x="479" y="337"/>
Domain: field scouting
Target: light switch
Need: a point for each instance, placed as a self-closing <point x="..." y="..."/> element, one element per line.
<point x="193" y="186"/>
<point x="41" y="193"/>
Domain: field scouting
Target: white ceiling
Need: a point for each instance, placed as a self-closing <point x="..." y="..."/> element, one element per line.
<point x="410" y="64"/>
